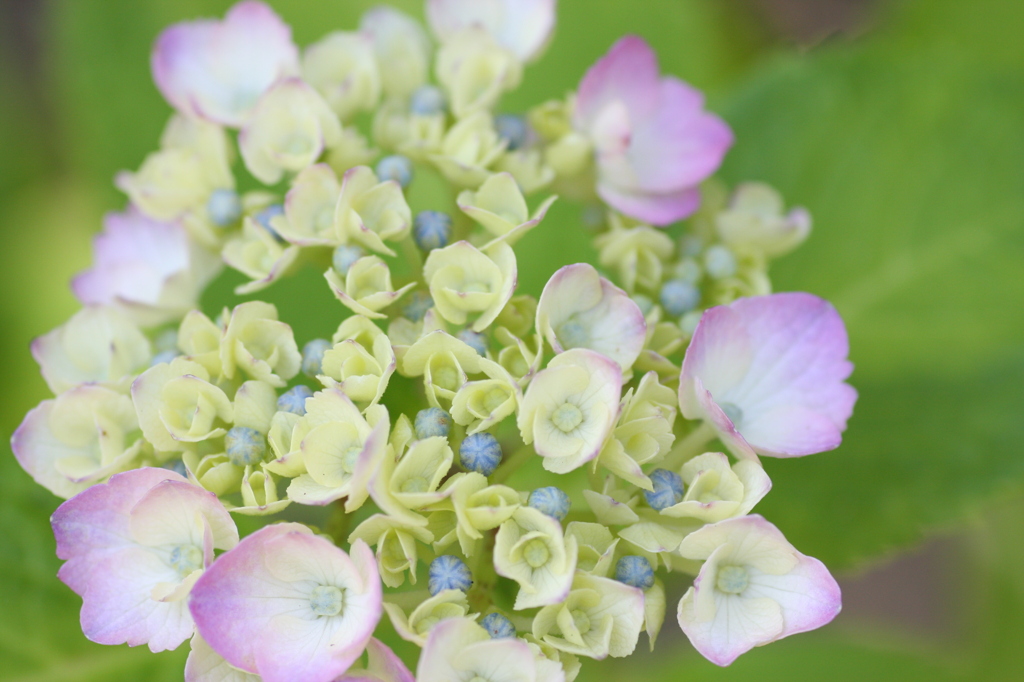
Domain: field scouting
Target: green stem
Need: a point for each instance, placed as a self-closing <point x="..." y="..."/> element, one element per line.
<point x="338" y="524"/>
<point x="689" y="447"/>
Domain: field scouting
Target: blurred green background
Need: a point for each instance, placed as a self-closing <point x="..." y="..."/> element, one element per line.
<point x="899" y="124"/>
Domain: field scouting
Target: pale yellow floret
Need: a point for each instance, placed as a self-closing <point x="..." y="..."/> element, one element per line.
<point x="416" y="626"/>
<point x="475" y="71"/>
<point x="396" y="546"/>
<point x="468" y="150"/>
<point x="361" y="362"/>
<point x="367" y="288"/>
<point x="256" y="343"/>
<point x="309" y="207"/>
<point x="465" y="281"/>
<point x="500" y="207"/>
<point x="370" y="212"/>
<point x="258" y="255"/>
<point x="343" y="69"/>
<point x="531" y="549"/>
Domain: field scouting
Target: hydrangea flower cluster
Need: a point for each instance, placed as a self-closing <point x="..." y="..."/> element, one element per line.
<point x="606" y="393"/>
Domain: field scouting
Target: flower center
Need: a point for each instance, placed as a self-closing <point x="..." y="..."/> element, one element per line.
<point x="567" y="417"/>
<point x="186" y="558"/>
<point x="733" y="412"/>
<point x="581" y="620"/>
<point x="572" y="334"/>
<point x="732" y="579"/>
<point x="348" y="461"/>
<point x="326" y="600"/>
<point x="536" y="553"/>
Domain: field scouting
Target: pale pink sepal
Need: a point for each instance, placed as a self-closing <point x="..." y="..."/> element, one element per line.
<point x="218" y="69"/>
<point x="777" y="603"/>
<point x="116" y="539"/>
<point x="252" y="606"/>
<point x="654" y="142"/>
<point x="768" y="372"/>
<point x="383" y="666"/>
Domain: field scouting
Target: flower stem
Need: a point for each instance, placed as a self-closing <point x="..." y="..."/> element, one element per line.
<point x="689" y="447"/>
<point x="512" y="464"/>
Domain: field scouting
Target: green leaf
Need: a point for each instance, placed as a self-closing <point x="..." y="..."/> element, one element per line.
<point x="908" y="152"/>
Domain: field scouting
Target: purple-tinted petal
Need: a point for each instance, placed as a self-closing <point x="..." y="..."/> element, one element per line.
<point x="217" y="70"/>
<point x="680" y="145"/>
<point x="775" y="364"/>
<point x="253" y="607"/>
<point x="656" y="209"/>
<point x="166" y="515"/>
<point x="628" y="73"/>
<point x="95" y="522"/>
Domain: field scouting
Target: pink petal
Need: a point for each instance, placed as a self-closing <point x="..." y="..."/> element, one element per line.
<point x="656" y="209"/>
<point x="629" y="73"/>
<point x="217" y="70"/>
<point x="95" y="522"/>
<point x="779" y="363"/>
<point x="680" y="145"/>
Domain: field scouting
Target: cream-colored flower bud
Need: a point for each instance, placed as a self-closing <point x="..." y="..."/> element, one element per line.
<point x="396" y="546"/>
<point x="716" y="491"/>
<point x="367" y="287"/>
<point x="416" y="626"/>
<point x="214" y="472"/>
<point x="402" y="131"/>
<point x="596" y="547"/>
<point x="444" y="363"/>
<point x="465" y="281"/>
<point x="478" y="507"/>
<point x="469" y="149"/>
<point x="309" y="207"/>
<point x="176" y="404"/>
<point x="353" y="149"/>
<point x="361" y="362"/>
<point x="259" y="345"/>
<point x="527" y="166"/>
<point x="402" y="49"/>
<point x="98" y="345"/>
<point x="479" y="405"/>
<point x="341" y="449"/>
<point x="500" y="207"/>
<point x="753" y="221"/>
<point x="259" y="494"/>
<point x="643" y="433"/>
<point x="287" y="449"/>
<point x="255" y="405"/>
<point x="531" y="549"/>
<point x="637" y="254"/>
<point x="599" y="618"/>
<point x="570" y="156"/>
<point x="258" y="255"/>
<point x="663" y="339"/>
<point x="343" y="68"/>
<point x="199" y="338"/>
<point x="517" y="316"/>
<point x="520" y="358"/>
<point x="475" y="71"/>
<point x="194" y="160"/>
<point x="570" y="407"/>
<point x="371" y="212"/>
<point x="552" y="120"/>
<point x="412" y="483"/>
<point x="287" y="131"/>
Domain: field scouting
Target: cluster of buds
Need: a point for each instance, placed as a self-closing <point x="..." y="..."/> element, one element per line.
<point x="605" y="393"/>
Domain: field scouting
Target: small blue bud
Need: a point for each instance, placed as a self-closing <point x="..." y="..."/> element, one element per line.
<point x="264" y="217"/>
<point x="224" y="207"/>
<point x="417" y="305"/>
<point x="668" y="489"/>
<point x="474" y="340"/>
<point x="551" y="500"/>
<point x="679" y="297"/>
<point x="395" y="167"/>
<point x="498" y="626"/>
<point x="294" y="400"/>
<point x="244" y="446"/>
<point x="448" y="572"/>
<point x="481" y="453"/>
<point x="720" y="262"/>
<point x="344" y="256"/>
<point x="635" y="571"/>
<point x="432" y="230"/>
<point x="513" y="128"/>
<point x="433" y="421"/>
<point x="164" y="356"/>
<point x="644" y="303"/>
<point x="313" y="356"/>
<point x="427" y="100"/>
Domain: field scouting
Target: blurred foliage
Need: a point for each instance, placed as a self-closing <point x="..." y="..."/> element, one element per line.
<point x="907" y="145"/>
